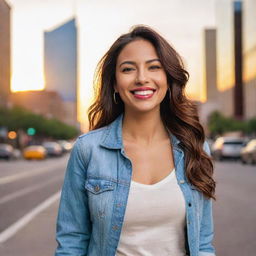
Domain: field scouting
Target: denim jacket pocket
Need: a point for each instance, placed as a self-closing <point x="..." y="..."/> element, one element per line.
<point x="100" y="195"/>
<point x="97" y="186"/>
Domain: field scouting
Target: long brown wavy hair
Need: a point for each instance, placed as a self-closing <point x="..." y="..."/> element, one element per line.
<point x="178" y="113"/>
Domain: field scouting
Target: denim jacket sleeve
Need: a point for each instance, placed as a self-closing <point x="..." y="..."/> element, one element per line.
<point x="206" y="230"/>
<point x="73" y="222"/>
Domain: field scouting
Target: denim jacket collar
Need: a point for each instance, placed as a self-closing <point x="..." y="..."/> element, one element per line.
<point x="112" y="137"/>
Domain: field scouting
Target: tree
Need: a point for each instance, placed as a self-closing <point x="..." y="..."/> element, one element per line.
<point x="19" y="118"/>
<point x="219" y="124"/>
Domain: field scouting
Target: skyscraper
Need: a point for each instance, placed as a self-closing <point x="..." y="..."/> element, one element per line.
<point x="238" y="52"/>
<point x="5" y="52"/>
<point x="60" y="65"/>
<point x="249" y="57"/>
<point x="236" y="60"/>
<point x="210" y="63"/>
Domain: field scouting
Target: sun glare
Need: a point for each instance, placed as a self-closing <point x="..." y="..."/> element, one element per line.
<point x="26" y="82"/>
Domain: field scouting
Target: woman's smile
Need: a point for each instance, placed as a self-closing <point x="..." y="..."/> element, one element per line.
<point x="143" y="93"/>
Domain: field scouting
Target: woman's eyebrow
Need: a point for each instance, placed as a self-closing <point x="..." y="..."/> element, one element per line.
<point x="127" y="62"/>
<point x="148" y="61"/>
<point x="134" y="63"/>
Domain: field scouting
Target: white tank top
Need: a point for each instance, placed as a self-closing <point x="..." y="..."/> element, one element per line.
<point x="154" y="220"/>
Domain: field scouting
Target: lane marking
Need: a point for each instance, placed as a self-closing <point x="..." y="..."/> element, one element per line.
<point x="25" y="191"/>
<point x="26" y="174"/>
<point x="15" y="227"/>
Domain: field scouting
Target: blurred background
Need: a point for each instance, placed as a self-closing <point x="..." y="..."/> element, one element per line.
<point x="48" y="53"/>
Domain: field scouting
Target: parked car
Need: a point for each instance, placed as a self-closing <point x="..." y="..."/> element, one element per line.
<point x="65" y="145"/>
<point x="34" y="152"/>
<point x="248" y="153"/>
<point x="6" y="151"/>
<point x="227" y="147"/>
<point x="52" y="148"/>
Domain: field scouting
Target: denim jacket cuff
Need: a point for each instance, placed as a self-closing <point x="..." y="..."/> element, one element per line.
<point x="206" y="254"/>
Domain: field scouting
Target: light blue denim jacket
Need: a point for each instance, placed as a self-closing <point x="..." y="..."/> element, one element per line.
<point x="95" y="192"/>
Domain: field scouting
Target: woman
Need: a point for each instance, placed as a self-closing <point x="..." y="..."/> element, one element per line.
<point x="140" y="182"/>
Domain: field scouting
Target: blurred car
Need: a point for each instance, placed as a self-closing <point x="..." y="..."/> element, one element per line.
<point x="65" y="145"/>
<point x="52" y="148"/>
<point x="248" y="153"/>
<point x="34" y="152"/>
<point x="16" y="153"/>
<point x="227" y="147"/>
<point x="6" y="151"/>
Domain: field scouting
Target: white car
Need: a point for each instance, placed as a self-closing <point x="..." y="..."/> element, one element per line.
<point x="227" y="147"/>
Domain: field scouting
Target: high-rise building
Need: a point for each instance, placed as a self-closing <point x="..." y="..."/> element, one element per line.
<point x="5" y="52"/>
<point x="238" y="53"/>
<point x="249" y="57"/>
<point x="210" y="63"/>
<point x="210" y="76"/>
<point x="236" y="60"/>
<point x="60" y="66"/>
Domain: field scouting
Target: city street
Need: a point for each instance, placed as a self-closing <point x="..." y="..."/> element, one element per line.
<point x="25" y="186"/>
<point x="28" y="203"/>
<point x="234" y="210"/>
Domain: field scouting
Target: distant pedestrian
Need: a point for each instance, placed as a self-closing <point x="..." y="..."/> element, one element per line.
<point x="140" y="182"/>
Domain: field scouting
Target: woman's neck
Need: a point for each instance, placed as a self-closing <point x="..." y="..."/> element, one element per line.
<point x="143" y="129"/>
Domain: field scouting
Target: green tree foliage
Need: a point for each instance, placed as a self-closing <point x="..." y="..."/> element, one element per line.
<point x="219" y="124"/>
<point x="18" y="118"/>
<point x="252" y="125"/>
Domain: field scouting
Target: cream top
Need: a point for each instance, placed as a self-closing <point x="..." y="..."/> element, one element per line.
<point x="154" y="220"/>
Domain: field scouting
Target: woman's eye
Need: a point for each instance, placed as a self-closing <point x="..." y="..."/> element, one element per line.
<point x="127" y="69"/>
<point x="155" y="67"/>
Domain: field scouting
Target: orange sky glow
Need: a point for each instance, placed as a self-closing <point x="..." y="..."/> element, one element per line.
<point x="184" y="32"/>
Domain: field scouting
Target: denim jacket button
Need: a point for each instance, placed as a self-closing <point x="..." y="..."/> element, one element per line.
<point x="97" y="188"/>
<point x="115" y="227"/>
<point x="182" y="181"/>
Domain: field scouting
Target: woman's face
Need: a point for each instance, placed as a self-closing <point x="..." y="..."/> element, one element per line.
<point x="140" y="78"/>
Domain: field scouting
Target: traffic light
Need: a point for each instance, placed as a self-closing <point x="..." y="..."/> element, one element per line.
<point x="31" y="131"/>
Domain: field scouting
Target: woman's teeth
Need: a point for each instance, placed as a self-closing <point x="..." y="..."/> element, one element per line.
<point x="147" y="92"/>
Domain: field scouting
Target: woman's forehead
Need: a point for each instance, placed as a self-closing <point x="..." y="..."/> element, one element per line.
<point x="141" y="50"/>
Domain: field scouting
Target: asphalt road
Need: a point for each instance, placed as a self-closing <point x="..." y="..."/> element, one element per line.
<point x="27" y="207"/>
<point x="25" y="185"/>
<point x="235" y="209"/>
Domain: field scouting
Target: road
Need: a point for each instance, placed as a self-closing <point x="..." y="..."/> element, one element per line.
<point x="235" y="209"/>
<point x="28" y="202"/>
<point x="25" y="185"/>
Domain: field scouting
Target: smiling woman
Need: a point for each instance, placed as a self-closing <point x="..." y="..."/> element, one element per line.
<point x="140" y="182"/>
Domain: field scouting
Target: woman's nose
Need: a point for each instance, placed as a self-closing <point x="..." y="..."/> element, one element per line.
<point x="141" y="78"/>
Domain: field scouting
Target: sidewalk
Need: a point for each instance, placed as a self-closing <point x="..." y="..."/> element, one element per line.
<point x="35" y="239"/>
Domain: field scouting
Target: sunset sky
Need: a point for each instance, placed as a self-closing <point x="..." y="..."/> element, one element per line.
<point x="99" y="23"/>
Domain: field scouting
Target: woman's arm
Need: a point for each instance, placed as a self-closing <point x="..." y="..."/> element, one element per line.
<point x="206" y="229"/>
<point x="73" y="222"/>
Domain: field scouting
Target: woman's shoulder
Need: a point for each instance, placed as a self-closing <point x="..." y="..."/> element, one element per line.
<point x="88" y="142"/>
<point x="92" y="136"/>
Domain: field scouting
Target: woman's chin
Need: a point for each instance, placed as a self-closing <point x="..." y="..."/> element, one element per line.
<point x="141" y="110"/>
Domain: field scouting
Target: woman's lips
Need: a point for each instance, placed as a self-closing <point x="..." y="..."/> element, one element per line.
<point x="143" y="94"/>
